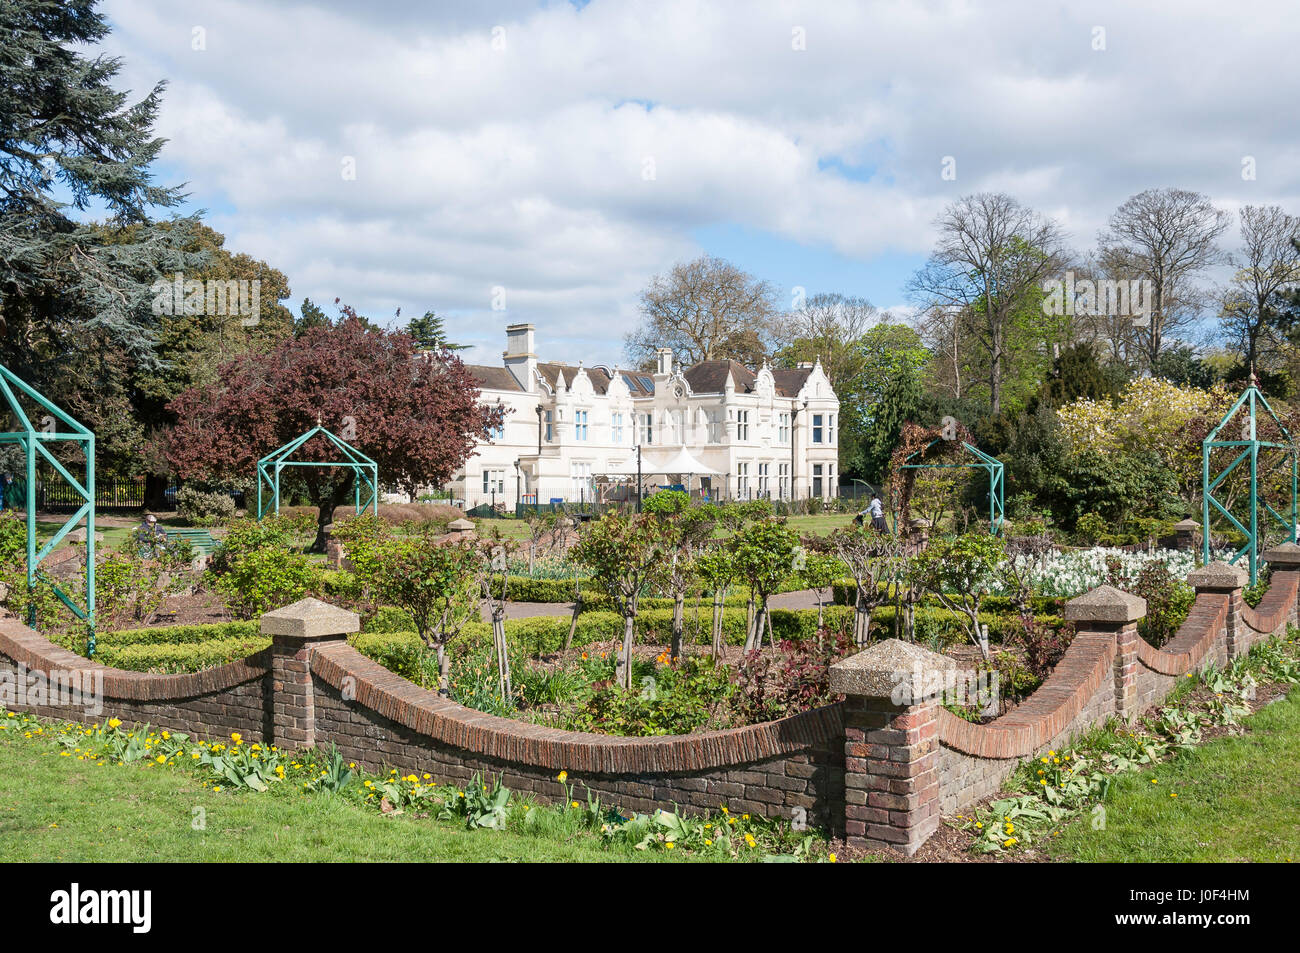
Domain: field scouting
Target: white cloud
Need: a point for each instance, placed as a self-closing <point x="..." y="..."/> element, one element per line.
<point x="524" y="167"/>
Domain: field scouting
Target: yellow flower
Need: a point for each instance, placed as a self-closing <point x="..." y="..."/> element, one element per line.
<point x="670" y="845"/>
<point x="831" y="858"/>
<point x="575" y="804"/>
<point x="236" y="737"/>
<point x="562" y="776"/>
<point x="161" y="759"/>
<point x="114" y="722"/>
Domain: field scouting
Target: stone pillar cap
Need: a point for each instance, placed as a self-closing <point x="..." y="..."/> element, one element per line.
<point x="1217" y="576"/>
<point x="460" y="525"/>
<point x="1286" y="556"/>
<point x="1188" y="523"/>
<point x="1106" y="604"/>
<point x="310" y="619"/>
<point x="877" y="671"/>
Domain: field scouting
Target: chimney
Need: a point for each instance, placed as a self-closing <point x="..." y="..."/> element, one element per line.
<point x="665" y="356"/>
<point x="520" y="358"/>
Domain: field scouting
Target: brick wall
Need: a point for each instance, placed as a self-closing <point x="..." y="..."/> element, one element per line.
<point x="880" y="767"/>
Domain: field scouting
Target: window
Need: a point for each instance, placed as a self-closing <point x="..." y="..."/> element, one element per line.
<point x="742" y="425"/>
<point x="648" y="428"/>
<point x="830" y="429"/>
<point x="742" y="479"/>
<point x="499" y="431"/>
<point x="580" y="425"/>
<point x="763" y="489"/>
<point x="782" y="428"/>
<point x="581" y="476"/>
<point x="817" y="480"/>
<point x="549" y="432"/>
<point x="715" y="426"/>
<point x="817" y="428"/>
<point x="494" y="481"/>
<point x="675" y="423"/>
<point x="616" y="428"/>
<point x="783" y="479"/>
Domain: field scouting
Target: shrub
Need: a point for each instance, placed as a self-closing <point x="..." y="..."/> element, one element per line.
<point x="265" y="579"/>
<point x="796" y="678"/>
<point x="204" y="509"/>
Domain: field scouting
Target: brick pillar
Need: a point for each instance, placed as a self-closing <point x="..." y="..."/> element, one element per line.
<point x="1286" y="559"/>
<point x="1219" y="577"/>
<point x="891" y="744"/>
<point x="1185" y="533"/>
<point x="295" y="630"/>
<point x="1107" y="609"/>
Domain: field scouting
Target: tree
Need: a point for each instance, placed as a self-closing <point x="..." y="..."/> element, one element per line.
<point x="959" y="571"/>
<point x="716" y="570"/>
<point x="625" y="555"/>
<point x="1167" y="237"/>
<point x="987" y="269"/>
<point x="873" y="560"/>
<point x="890" y="393"/>
<point x="1266" y="267"/>
<point x="430" y="334"/>
<point x="437" y="583"/>
<point x="705" y="310"/>
<point x="418" y="417"/>
<point x="310" y="316"/>
<point x="689" y="529"/>
<point x="70" y="141"/>
<point x="763" y="554"/>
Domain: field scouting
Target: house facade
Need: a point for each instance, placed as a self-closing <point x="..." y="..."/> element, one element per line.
<point x="574" y="432"/>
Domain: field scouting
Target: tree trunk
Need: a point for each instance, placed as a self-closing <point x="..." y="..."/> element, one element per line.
<point x="444" y="671"/>
<point x="679" y="602"/>
<point x="718" y="598"/>
<point x="328" y="505"/>
<point x="503" y="655"/>
<point x="155" y="492"/>
<point x="573" y="623"/>
<point x="861" y="622"/>
<point x="623" y="670"/>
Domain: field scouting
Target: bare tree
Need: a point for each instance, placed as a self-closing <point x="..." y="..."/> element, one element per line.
<point x="1267" y="265"/>
<point x="705" y="310"/>
<point x="1167" y="237"/>
<point x="989" y="264"/>
<point x="829" y="328"/>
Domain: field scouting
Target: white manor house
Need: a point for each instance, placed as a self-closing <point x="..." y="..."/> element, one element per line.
<point x="717" y="429"/>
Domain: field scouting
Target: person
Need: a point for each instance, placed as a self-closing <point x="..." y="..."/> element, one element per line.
<point x="877" y="511"/>
<point x="150" y="536"/>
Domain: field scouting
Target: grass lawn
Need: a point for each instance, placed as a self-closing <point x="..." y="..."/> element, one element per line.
<point x="59" y="809"/>
<point x="1238" y="799"/>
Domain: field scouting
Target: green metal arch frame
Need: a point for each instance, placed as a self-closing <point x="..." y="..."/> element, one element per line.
<point x="363" y="468"/>
<point x="983" y="461"/>
<point x="1249" y="446"/>
<point x="33" y="442"/>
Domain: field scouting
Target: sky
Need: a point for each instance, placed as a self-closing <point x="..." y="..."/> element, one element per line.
<point x="507" y="162"/>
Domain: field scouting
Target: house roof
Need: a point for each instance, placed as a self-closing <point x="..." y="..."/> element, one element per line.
<point x="493" y="378"/>
<point x="790" y="380"/>
<point x="710" y="377"/>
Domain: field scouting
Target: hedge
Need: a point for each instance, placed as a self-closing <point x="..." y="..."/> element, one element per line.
<point x="175" y="634"/>
<point x="175" y="657"/>
<point x="389" y="640"/>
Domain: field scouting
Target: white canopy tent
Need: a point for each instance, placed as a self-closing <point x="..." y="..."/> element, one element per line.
<point x="663" y="461"/>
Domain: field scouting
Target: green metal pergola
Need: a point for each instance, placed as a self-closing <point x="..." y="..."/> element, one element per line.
<point x="1248" y="447"/>
<point x="364" y="470"/>
<point x="983" y="461"/>
<point x="56" y="426"/>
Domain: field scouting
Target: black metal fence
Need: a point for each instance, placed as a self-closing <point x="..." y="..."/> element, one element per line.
<point x="54" y="495"/>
